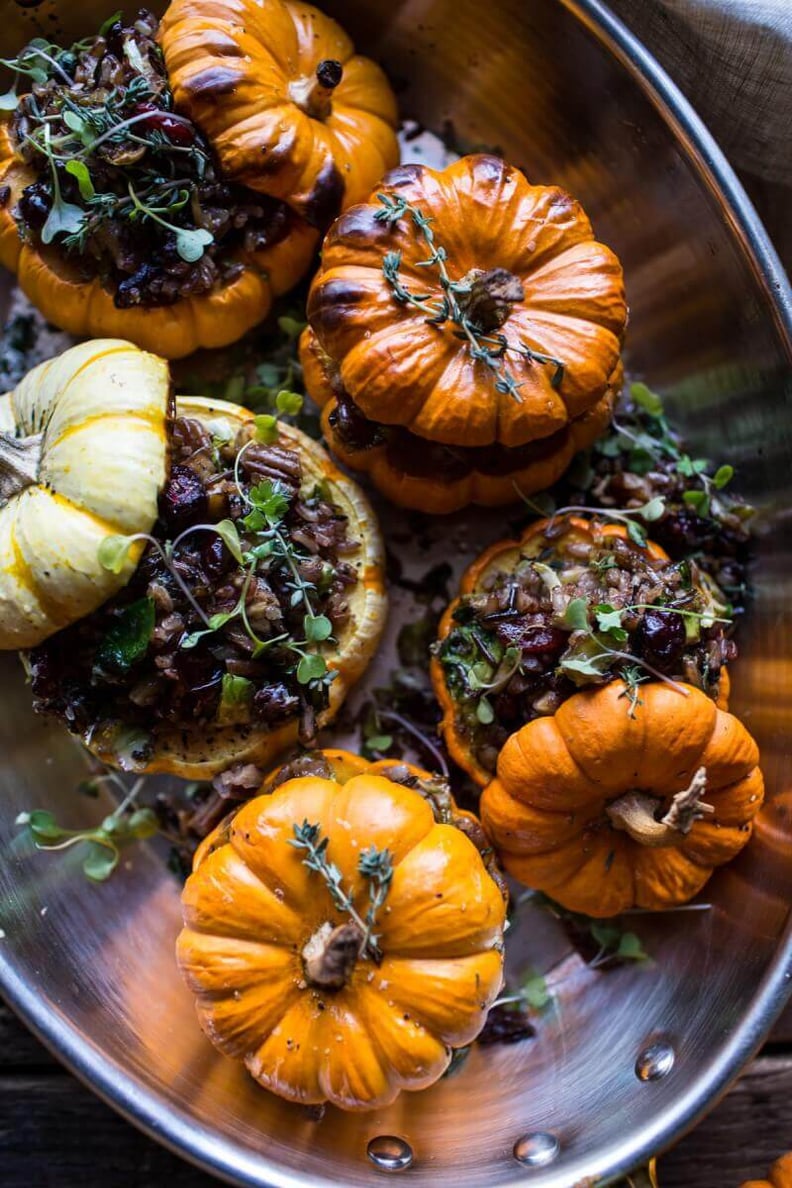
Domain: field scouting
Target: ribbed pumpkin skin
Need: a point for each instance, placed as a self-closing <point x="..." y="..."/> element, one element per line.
<point x="780" y="1175"/>
<point x="503" y="555"/>
<point x="236" y="67"/>
<point x="251" y="906"/>
<point x="86" y="308"/>
<point x="401" y="370"/>
<point x="102" y="408"/>
<point x="546" y="809"/>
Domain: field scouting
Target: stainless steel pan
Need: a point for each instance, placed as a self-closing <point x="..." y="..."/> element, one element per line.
<point x="622" y="1063"/>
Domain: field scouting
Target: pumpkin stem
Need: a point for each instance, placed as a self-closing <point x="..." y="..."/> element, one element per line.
<point x="486" y="298"/>
<point x="331" y="954"/>
<point x="314" y="93"/>
<point x="20" y="459"/>
<point x="635" y="813"/>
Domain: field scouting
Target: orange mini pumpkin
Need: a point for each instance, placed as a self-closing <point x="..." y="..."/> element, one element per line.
<point x="291" y="109"/>
<point x="465" y="334"/>
<point x="564" y="557"/>
<point x="780" y="1175"/>
<point x="320" y="1003"/>
<point x="606" y="810"/>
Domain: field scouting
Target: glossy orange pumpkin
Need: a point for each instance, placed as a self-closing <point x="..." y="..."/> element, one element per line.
<point x="780" y="1175"/>
<point x="526" y="276"/>
<point x="282" y="975"/>
<point x="289" y="107"/>
<point x="87" y="309"/>
<point x="605" y="811"/>
<point x="558" y="548"/>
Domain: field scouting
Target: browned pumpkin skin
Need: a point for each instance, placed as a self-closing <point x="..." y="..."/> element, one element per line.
<point x="566" y="786"/>
<point x="400" y="369"/>
<point x="441" y="496"/>
<point x="780" y="1175"/>
<point x="251" y="907"/>
<point x="496" y="557"/>
<point x="87" y="309"/>
<point x="288" y="106"/>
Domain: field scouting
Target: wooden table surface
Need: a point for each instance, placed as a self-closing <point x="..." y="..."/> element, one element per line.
<point x="56" y="1134"/>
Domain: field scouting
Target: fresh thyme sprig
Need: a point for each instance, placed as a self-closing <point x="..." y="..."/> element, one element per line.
<point x="489" y="349"/>
<point x="376" y="866"/>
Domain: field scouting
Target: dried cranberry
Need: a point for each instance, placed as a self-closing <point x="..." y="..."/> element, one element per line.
<point x="354" y="429"/>
<point x="274" y="703"/>
<point x="183" y="500"/>
<point x="114" y="39"/>
<point x="34" y="205"/>
<point x="507" y="1025"/>
<point x="661" y="637"/>
<point x="682" y="531"/>
<point x="176" y="130"/>
<point x="215" y="557"/>
<point x="200" y="677"/>
<point x="534" y="639"/>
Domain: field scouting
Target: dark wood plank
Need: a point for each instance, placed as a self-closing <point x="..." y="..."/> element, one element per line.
<point x="56" y="1134"/>
<point x="739" y="1140"/>
<point x="19" y="1050"/>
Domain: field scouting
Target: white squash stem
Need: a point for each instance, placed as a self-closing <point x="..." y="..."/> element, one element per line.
<point x="20" y="461"/>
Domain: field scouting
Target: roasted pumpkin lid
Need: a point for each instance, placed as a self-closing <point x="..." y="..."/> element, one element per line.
<point x="469" y="306"/>
<point x="83" y="455"/>
<point x="289" y="107"/>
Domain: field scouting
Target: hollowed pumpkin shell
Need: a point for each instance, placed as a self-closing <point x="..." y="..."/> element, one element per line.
<point x="202" y="751"/>
<point x="442" y="495"/>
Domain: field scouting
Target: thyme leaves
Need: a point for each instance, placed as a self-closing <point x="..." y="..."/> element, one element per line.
<point x="456" y="305"/>
<point x="375" y="866"/>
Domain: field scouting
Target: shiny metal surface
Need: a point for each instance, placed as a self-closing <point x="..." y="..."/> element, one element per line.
<point x="566" y="93"/>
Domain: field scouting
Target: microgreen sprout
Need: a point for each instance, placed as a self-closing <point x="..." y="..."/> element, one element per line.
<point x="124" y="825"/>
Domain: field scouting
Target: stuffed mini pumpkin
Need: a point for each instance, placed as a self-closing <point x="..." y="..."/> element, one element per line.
<point x="114" y="214"/>
<point x="780" y="1175"/>
<point x="465" y="334"/>
<point x="574" y="602"/>
<point x="246" y="574"/>
<point x="291" y="110"/>
<point x="339" y="939"/>
<point x="606" y="807"/>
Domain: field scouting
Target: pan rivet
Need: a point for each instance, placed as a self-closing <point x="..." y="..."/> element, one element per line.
<point x="536" y="1150"/>
<point x="390" y="1153"/>
<point x="655" y="1062"/>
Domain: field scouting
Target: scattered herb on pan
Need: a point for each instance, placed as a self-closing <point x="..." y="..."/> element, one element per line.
<point x="103" y="844"/>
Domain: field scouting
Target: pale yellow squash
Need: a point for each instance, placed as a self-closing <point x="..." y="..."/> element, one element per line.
<point x="83" y="455"/>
